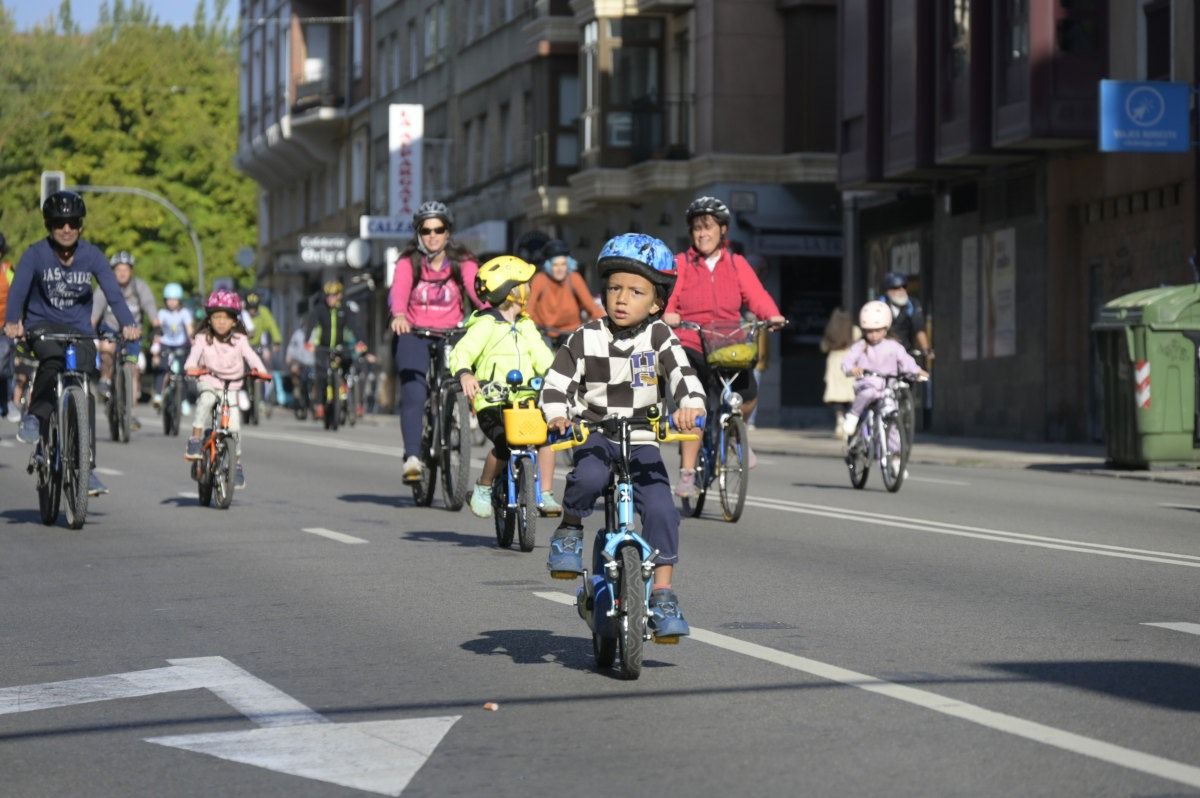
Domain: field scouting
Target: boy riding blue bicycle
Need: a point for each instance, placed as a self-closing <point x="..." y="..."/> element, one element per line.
<point x="499" y="340"/>
<point x="612" y="367"/>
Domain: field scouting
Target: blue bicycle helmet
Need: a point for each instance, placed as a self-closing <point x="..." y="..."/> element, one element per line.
<point x="894" y="280"/>
<point x="173" y="291"/>
<point x="640" y="254"/>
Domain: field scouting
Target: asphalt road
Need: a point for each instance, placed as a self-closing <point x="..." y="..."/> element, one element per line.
<point x="983" y="632"/>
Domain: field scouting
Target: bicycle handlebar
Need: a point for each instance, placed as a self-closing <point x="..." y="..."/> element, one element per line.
<point x="896" y="376"/>
<point x="757" y="324"/>
<point x="249" y="375"/>
<point x="435" y="333"/>
<point x="662" y="427"/>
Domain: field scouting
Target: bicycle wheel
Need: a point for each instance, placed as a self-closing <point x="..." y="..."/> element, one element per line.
<point x="49" y="474"/>
<point x="423" y="489"/>
<point x="116" y="401"/>
<point x="527" y="509"/>
<point x="895" y="452"/>
<point x="858" y="455"/>
<point x="129" y="397"/>
<point x="631" y="623"/>
<point x="255" y="400"/>
<point x="76" y="456"/>
<point x="177" y="391"/>
<point x="734" y="475"/>
<point x="332" y="386"/>
<point x="168" y="403"/>
<point x="504" y="521"/>
<point x="204" y="484"/>
<point x="692" y="506"/>
<point x="456" y="450"/>
<point x="223" y="478"/>
<point x="604" y="649"/>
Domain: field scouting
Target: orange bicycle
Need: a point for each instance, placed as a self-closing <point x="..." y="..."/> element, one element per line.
<point x="214" y="471"/>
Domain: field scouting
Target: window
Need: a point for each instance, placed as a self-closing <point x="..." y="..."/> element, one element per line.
<point x="442" y="28"/>
<point x="359" y="45"/>
<point x="394" y="60"/>
<point x="506" y="152"/>
<point x="634" y="113"/>
<point x="509" y="10"/>
<point x="1157" y="26"/>
<point x="343" y="169"/>
<point x="566" y="147"/>
<point x="414" y="52"/>
<point x="1013" y="51"/>
<point x="472" y="153"/>
<point x="468" y="20"/>
<point x="485" y="16"/>
<point x="285" y="58"/>
<point x="485" y="147"/>
<point x="382" y="86"/>
<point x="591" y="100"/>
<point x="957" y="63"/>
<point x="270" y="79"/>
<point x="430" y="37"/>
<point x="358" y="167"/>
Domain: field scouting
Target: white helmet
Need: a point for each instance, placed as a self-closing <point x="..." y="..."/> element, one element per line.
<point x="875" y="315"/>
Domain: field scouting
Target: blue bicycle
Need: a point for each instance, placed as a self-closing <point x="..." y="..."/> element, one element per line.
<point x="614" y="600"/>
<point x="516" y="489"/>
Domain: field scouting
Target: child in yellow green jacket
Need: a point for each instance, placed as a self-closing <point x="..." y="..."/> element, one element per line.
<point x="498" y="340"/>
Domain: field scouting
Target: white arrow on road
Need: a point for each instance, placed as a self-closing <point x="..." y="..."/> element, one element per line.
<point x="375" y="756"/>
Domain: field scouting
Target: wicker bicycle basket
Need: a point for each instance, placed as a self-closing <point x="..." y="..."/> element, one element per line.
<point x="729" y="345"/>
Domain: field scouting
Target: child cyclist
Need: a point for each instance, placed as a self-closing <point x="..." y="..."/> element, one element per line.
<point x="611" y="367"/>
<point x="222" y="347"/>
<point x="498" y="340"/>
<point x="175" y="322"/>
<point x="875" y="352"/>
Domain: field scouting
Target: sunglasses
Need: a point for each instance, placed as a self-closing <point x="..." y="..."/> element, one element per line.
<point x="433" y="231"/>
<point x="74" y="224"/>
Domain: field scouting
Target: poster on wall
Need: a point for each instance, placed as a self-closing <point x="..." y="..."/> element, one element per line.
<point x="894" y="252"/>
<point x="1000" y="293"/>
<point x="969" y="336"/>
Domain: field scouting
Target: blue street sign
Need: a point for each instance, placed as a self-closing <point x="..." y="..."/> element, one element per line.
<point x="1144" y="116"/>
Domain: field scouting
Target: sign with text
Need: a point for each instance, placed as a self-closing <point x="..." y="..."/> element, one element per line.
<point x="385" y="228"/>
<point x="323" y="250"/>
<point x="1144" y="116"/>
<point x="406" y="129"/>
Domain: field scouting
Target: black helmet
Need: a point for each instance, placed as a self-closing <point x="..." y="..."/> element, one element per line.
<point x="708" y="206"/>
<point x="433" y="210"/>
<point x="894" y="280"/>
<point x="555" y="248"/>
<point x="253" y="299"/>
<point x="63" y="205"/>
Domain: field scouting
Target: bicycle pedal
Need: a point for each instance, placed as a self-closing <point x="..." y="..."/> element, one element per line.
<point x="670" y="640"/>
<point x="565" y="575"/>
<point x="544" y="513"/>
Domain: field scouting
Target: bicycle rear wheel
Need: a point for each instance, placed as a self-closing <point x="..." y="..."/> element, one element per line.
<point x="129" y="396"/>
<point x="49" y="474"/>
<point x="631" y="623"/>
<point x="456" y="450"/>
<point x="76" y="455"/>
<point x="333" y="384"/>
<point x="734" y="475"/>
<point x="424" y="487"/>
<point x="693" y="505"/>
<point x="895" y="452"/>
<point x="505" y="522"/>
<point x="527" y="509"/>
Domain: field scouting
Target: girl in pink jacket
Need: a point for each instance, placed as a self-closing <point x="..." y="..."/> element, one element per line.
<point x="875" y="352"/>
<point x="222" y="348"/>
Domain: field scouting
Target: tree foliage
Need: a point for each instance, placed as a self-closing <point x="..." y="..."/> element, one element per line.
<point x="138" y="104"/>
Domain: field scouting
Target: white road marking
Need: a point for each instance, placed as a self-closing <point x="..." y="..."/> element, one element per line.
<point x="938" y="481"/>
<point x="338" y="536"/>
<point x="109" y="472"/>
<point x="979" y="533"/>
<point x="999" y="721"/>
<point x="377" y="756"/>
<point x="329" y="443"/>
<point x="188" y="494"/>
<point x="6" y="444"/>
<point x="1178" y="626"/>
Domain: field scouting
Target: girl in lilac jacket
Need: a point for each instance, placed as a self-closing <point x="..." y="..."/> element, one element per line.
<point x="875" y="352"/>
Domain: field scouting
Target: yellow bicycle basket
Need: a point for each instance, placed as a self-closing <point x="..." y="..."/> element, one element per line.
<point x="734" y="356"/>
<point x="524" y="425"/>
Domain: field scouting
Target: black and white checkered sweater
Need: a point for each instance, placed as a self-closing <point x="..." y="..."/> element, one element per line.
<point x="596" y="374"/>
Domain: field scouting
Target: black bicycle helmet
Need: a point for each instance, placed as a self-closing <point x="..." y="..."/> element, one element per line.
<point x="253" y="299"/>
<point x="555" y="248"/>
<point x="63" y="205"/>
<point x="708" y="206"/>
<point x="433" y="210"/>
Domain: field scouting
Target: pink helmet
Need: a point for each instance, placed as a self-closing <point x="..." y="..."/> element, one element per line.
<point x="222" y="299"/>
<point x="875" y="315"/>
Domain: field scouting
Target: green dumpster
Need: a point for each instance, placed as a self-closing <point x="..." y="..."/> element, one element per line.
<point x="1149" y="343"/>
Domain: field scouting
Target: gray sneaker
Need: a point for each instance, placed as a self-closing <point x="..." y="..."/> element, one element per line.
<point x="95" y="486"/>
<point x="30" y="429"/>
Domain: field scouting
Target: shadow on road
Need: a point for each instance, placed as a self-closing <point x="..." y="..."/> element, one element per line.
<point x="822" y="487"/>
<point x="542" y="647"/>
<point x="455" y="538"/>
<point x="22" y="516"/>
<point x="1170" y="685"/>
<point x="370" y="498"/>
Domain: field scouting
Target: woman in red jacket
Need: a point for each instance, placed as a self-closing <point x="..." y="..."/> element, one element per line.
<point x="558" y="296"/>
<point x="713" y="284"/>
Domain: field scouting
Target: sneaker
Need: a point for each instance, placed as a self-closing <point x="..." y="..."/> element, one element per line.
<point x="243" y="401"/>
<point x="686" y="488"/>
<point x="549" y="506"/>
<point x="319" y="412"/>
<point x="413" y="468"/>
<point x="751" y="457"/>
<point x="30" y="429"/>
<point x="481" y="500"/>
<point x="14" y="414"/>
<point x="193" y="449"/>
<point x="665" y="618"/>
<point x="95" y="486"/>
<point x="185" y="407"/>
<point x="104" y="389"/>
<point x="850" y="424"/>
<point x="156" y="400"/>
<point x="566" y="553"/>
<point x="239" y="477"/>
<point x="135" y="423"/>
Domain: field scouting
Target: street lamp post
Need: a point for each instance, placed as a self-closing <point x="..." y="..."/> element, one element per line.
<point x="161" y="200"/>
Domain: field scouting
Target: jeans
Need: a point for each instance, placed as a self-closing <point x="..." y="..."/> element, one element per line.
<point x="411" y="356"/>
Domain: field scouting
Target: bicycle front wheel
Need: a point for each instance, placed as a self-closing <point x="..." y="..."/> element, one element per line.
<point x="177" y="390"/>
<point x="129" y="397"/>
<point x="456" y="450"/>
<point x="734" y="475"/>
<point x="168" y="403"/>
<point x="49" y="474"/>
<point x="223" y="479"/>
<point x="76" y="457"/>
<point x="895" y="452"/>
<point x="527" y="509"/>
<point x="116" y="402"/>
<point x="504" y="521"/>
<point x="631" y="623"/>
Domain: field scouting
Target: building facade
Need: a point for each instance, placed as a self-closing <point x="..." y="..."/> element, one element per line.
<point x="968" y="157"/>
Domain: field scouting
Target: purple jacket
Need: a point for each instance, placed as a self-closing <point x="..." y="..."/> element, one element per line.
<point x="885" y="357"/>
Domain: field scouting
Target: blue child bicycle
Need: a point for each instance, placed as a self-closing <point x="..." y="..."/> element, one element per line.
<point x="614" y="599"/>
<point x="518" y="486"/>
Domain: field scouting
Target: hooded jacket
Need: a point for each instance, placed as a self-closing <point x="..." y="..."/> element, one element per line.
<point x="494" y="346"/>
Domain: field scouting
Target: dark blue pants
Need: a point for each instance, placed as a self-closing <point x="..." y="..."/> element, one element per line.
<point x="651" y="490"/>
<point x="411" y="356"/>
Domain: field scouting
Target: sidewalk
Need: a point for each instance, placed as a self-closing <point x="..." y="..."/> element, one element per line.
<point x="974" y="452"/>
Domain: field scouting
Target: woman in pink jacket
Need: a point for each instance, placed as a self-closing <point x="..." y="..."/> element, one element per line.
<point x="713" y="284"/>
<point x="433" y="288"/>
